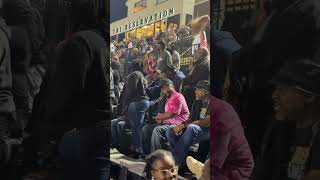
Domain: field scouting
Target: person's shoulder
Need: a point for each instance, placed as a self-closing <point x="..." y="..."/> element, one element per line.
<point x="178" y="96"/>
<point x="224" y="103"/>
<point x="220" y="106"/>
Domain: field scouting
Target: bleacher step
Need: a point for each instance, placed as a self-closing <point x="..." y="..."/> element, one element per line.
<point x="133" y="165"/>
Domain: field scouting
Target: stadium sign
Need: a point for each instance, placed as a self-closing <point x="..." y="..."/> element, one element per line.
<point x="145" y="21"/>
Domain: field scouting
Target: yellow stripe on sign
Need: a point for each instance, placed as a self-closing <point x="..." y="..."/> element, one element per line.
<point x="186" y="60"/>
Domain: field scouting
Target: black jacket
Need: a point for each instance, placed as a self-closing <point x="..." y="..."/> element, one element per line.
<point x="6" y="98"/>
<point x="79" y="91"/>
<point x="200" y="72"/>
<point x="21" y="52"/>
<point x="135" y="89"/>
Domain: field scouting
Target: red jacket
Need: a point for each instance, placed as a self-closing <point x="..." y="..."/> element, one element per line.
<point x="231" y="157"/>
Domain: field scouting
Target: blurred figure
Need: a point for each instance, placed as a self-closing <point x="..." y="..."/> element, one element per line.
<point x="231" y="157"/>
<point x="198" y="27"/>
<point x="7" y="107"/>
<point x="79" y="97"/>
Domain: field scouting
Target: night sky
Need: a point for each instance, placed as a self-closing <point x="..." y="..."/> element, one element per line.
<point x="118" y="10"/>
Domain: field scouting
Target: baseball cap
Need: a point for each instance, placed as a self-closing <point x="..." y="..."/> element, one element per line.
<point x="303" y="75"/>
<point x="204" y="85"/>
<point x="165" y="81"/>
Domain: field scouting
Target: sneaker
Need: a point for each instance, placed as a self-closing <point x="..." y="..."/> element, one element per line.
<point x="195" y="166"/>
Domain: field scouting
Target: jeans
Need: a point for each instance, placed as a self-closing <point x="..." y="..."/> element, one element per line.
<point x="181" y="144"/>
<point x="84" y="154"/>
<point x="115" y="133"/>
<point x="117" y="129"/>
<point x="177" y="81"/>
<point x="136" y="113"/>
<point x="154" y="137"/>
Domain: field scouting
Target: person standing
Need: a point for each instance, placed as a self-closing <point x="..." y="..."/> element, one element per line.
<point x="198" y="29"/>
<point x="78" y="105"/>
<point x="137" y="101"/>
<point x="164" y="63"/>
<point x="175" y="57"/>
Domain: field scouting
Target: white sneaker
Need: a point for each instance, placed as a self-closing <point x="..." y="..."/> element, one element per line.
<point x="195" y="166"/>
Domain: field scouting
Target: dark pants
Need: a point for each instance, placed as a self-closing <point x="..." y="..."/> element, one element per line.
<point x="117" y="128"/>
<point x="177" y="81"/>
<point x="136" y="113"/>
<point x="84" y="154"/>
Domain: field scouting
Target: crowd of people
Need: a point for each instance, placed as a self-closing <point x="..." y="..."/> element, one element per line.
<point x="255" y="117"/>
<point x="269" y="85"/>
<point x="54" y="90"/>
<point x="157" y="105"/>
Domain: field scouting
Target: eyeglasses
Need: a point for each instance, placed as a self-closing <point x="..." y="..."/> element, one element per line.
<point x="167" y="172"/>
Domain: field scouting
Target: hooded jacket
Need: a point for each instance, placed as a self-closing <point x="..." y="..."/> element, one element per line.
<point x="6" y="97"/>
<point x="135" y="89"/>
<point x="79" y="91"/>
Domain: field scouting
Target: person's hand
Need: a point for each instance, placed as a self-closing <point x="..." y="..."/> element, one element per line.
<point x="157" y="119"/>
<point x="178" y="129"/>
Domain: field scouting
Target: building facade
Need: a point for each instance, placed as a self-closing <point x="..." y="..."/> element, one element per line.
<point x="151" y="17"/>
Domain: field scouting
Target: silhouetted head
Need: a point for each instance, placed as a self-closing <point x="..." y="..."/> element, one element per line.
<point x="87" y="14"/>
